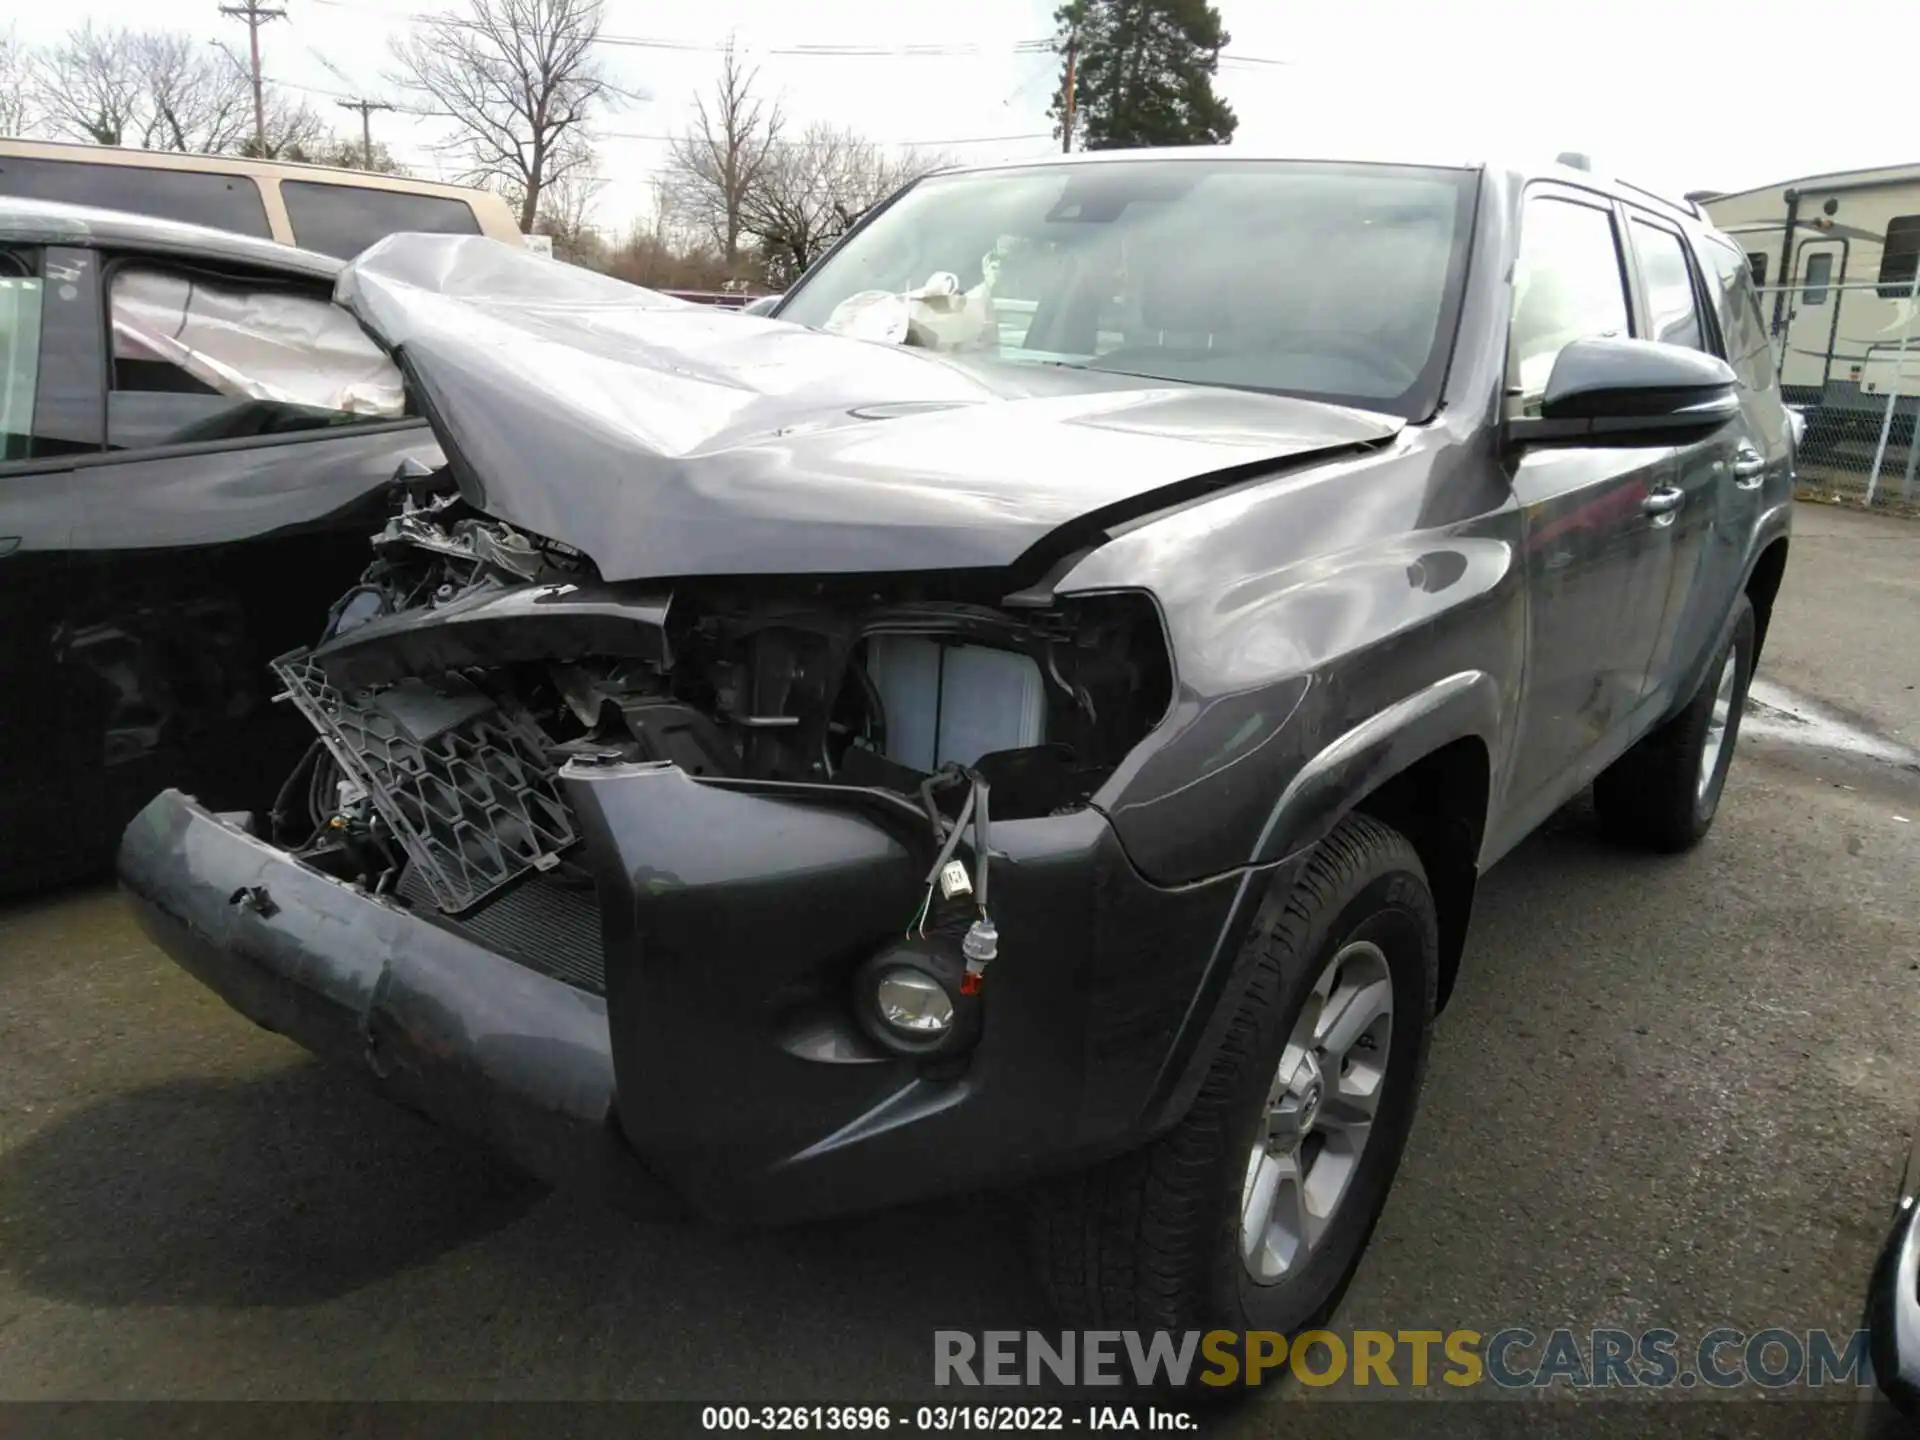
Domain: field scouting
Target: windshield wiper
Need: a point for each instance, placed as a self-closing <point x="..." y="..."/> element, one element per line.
<point x="1165" y="379"/>
<point x="1109" y="370"/>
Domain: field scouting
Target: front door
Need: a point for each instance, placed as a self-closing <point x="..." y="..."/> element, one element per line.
<point x="1595" y="522"/>
<point x="38" y="756"/>
<point x="214" y="531"/>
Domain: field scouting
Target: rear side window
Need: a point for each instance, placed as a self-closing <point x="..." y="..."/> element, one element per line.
<point x="1672" y="303"/>
<point x="1567" y="286"/>
<point x="1749" y="349"/>
<point x="226" y="202"/>
<point x="343" y="220"/>
<point x="1898" y="256"/>
<point x="19" y="361"/>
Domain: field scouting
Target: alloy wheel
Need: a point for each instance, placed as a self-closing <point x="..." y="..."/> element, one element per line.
<point x="1319" y="1113"/>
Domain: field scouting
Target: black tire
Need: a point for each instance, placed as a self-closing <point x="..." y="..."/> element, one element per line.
<point x="1152" y="1240"/>
<point x="1651" y="797"/>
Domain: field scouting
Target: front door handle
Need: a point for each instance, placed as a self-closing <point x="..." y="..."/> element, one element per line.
<point x="1749" y="465"/>
<point x="1662" y="503"/>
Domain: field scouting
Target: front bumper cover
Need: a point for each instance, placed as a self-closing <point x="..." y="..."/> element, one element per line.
<point x="482" y="1045"/>
<point x="722" y="1063"/>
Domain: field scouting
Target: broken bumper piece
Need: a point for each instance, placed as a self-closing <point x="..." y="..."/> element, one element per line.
<point x="724" y="1059"/>
<point x="482" y="1045"/>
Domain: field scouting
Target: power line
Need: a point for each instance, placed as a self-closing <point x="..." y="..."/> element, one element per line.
<point x="1039" y="45"/>
<point x="924" y="144"/>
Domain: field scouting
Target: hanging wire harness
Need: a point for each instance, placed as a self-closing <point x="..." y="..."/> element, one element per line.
<point x="948" y="876"/>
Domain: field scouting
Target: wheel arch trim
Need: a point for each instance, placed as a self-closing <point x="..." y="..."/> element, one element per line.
<point x="1333" y="783"/>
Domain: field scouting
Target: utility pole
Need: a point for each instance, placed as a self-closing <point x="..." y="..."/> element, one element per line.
<point x="366" y="109"/>
<point x="1066" y="119"/>
<point x="256" y="15"/>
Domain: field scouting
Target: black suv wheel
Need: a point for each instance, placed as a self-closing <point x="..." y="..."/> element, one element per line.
<point x="1663" y="793"/>
<point x="1253" y="1211"/>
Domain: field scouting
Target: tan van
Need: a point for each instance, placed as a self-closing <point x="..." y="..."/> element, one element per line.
<point x="336" y="212"/>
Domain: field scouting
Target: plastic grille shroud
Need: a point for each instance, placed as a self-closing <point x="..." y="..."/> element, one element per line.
<point x="474" y="804"/>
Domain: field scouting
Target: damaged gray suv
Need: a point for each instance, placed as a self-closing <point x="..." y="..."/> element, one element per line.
<point x="1032" y="712"/>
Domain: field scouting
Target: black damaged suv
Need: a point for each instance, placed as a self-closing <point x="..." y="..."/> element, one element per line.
<point x="1033" y="711"/>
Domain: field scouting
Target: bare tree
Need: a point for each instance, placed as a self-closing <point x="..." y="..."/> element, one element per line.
<point x="294" y="131"/>
<point x="520" y="81"/>
<point x="814" y="188"/>
<point x="90" y="85"/>
<point x="718" y="162"/>
<point x="565" y="205"/>
<point x="194" y="98"/>
<point x="16" y="115"/>
<point x="345" y="152"/>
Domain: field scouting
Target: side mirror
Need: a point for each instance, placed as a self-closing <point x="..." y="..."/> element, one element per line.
<point x="1630" y="392"/>
<point x="761" y="306"/>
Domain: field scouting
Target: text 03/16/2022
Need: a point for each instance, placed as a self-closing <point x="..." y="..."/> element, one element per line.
<point x="935" y="1419"/>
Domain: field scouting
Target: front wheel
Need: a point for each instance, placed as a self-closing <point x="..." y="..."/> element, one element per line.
<point x="1253" y="1211"/>
<point x="1663" y="793"/>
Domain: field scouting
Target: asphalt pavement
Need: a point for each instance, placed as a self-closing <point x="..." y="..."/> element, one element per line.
<point x="1668" y="1092"/>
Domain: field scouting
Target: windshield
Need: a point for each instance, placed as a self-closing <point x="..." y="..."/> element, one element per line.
<point x="1335" y="282"/>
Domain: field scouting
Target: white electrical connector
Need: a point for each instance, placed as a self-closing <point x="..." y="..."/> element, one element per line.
<point x="954" y="880"/>
<point x="981" y="944"/>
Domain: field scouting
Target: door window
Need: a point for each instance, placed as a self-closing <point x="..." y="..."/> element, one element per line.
<point x="1749" y="349"/>
<point x="343" y="220"/>
<point x="226" y="202"/>
<point x="1898" y="256"/>
<point x="1819" y="274"/>
<point x="197" y="360"/>
<point x="19" y="360"/>
<point x="1673" y="304"/>
<point x="1567" y="286"/>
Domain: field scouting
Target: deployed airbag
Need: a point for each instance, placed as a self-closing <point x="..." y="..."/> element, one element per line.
<point x="254" y="344"/>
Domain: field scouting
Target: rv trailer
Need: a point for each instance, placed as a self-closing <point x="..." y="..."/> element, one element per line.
<point x="1835" y="258"/>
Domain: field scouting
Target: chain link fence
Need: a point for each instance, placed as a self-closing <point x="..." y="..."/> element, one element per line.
<point x="1849" y="362"/>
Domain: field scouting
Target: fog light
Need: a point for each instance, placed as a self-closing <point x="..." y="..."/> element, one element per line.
<point x="913" y="1002"/>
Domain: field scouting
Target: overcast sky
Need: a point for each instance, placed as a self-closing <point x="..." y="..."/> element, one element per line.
<point x="1672" y="94"/>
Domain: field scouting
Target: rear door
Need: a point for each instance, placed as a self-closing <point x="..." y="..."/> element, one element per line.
<point x="1813" y="315"/>
<point x="1762" y="469"/>
<point x="1597" y="564"/>
<point x="1700" y="530"/>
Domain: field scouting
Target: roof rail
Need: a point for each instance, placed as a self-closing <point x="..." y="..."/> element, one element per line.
<point x="1688" y="206"/>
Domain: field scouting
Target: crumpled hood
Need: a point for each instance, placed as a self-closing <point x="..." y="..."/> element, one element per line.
<point x="665" y="439"/>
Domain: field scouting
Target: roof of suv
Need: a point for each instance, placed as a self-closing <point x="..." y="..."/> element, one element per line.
<point x="45" y="222"/>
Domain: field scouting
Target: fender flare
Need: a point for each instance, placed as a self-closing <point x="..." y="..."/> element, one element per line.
<point x="1325" y="790"/>
<point x="1696" y="673"/>
<point x="1465" y="704"/>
